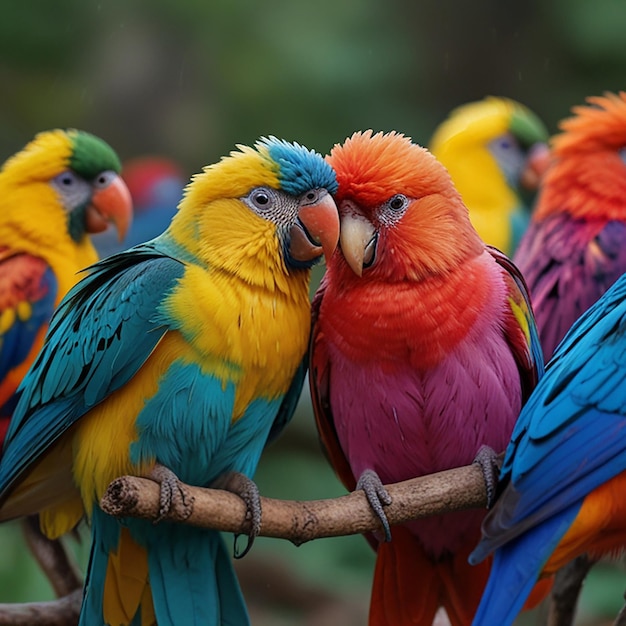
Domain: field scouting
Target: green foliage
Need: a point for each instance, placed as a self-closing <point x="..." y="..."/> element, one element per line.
<point x="594" y="30"/>
<point x="38" y="35"/>
<point x="21" y="580"/>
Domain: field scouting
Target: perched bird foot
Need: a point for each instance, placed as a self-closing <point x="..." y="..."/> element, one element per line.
<point x="490" y="464"/>
<point x="174" y="495"/>
<point x="377" y="496"/>
<point x="246" y="489"/>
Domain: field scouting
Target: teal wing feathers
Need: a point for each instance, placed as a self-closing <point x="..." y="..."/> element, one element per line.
<point x="85" y="356"/>
<point x="290" y="401"/>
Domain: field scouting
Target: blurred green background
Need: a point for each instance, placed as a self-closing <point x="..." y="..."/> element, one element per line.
<point x="189" y="79"/>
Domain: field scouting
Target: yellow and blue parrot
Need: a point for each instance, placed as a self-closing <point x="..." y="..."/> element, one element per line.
<point x="496" y="153"/>
<point x="176" y="359"/>
<point x="63" y="186"/>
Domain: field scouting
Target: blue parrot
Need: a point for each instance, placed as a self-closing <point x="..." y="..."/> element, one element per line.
<point x="564" y="473"/>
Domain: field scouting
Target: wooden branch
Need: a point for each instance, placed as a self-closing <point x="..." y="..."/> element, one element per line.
<point x="53" y="558"/>
<point x="299" y="521"/>
<point x="61" y="612"/>
<point x="568" y="583"/>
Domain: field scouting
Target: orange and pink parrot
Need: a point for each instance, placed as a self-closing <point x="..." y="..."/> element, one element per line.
<point x="423" y="351"/>
<point x="574" y="249"/>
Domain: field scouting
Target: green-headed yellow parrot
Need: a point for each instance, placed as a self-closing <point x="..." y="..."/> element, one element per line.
<point x="495" y="151"/>
<point x="63" y="186"/>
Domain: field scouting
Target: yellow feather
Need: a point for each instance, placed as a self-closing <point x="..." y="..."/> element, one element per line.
<point x="126" y="583"/>
<point x="7" y="319"/>
<point x="40" y="159"/>
<point x="459" y="143"/>
<point x="24" y="311"/>
<point x="104" y="434"/>
<point x="244" y="332"/>
<point x="521" y="316"/>
<point x="58" y="520"/>
<point x="231" y="178"/>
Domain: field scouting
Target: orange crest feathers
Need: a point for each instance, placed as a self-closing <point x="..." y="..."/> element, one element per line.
<point x="600" y="125"/>
<point x="373" y="167"/>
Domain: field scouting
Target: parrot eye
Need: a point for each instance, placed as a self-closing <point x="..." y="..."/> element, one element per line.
<point x="622" y="154"/>
<point x="261" y="199"/>
<point x="66" y="179"/>
<point x="103" y="179"/>
<point x="313" y="195"/>
<point x="399" y="202"/>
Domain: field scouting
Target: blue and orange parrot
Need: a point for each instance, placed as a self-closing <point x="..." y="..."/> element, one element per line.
<point x="574" y="249"/>
<point x="495" y="150"/>
<point x="564" y="473"/>
<point x="63" y="186"/>
<point x="176" y="359"/>
<point x="423" y="351"/>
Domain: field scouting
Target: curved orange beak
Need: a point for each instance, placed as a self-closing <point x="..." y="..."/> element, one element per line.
<point x="358" y="240"/>
<point x="112" y="203"/>
<point x="317" y="230"/>
<point x="537" y="165"/>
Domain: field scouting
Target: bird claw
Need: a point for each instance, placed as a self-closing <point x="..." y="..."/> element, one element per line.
<point x="174" y="495"/>
<point x="490" y="464"/>
<point x="246" y="489"/>
<point x="377" y="496"/>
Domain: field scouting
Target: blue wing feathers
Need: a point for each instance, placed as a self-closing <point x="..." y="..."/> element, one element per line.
<point x="568" y="440"/>
<point x="514" y="570"/>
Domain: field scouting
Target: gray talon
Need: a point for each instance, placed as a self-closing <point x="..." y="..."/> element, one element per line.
<point x="173" y="495"/>
<point x="490" y="464"/>
<point x="377" y="496"/>
<point x="247" y="490"/>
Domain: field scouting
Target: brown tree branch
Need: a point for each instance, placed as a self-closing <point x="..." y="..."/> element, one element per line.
<point x="61" y="612"/>
<point x="299" y="521"/>
<point x="53" y="558"/>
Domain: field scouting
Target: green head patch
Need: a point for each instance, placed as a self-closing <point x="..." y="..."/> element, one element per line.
<point x="527" y="127"/>
<point x="91" y="155"/>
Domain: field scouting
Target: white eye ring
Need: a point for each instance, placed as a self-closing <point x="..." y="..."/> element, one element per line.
<point x="398" y="203"/>
<point x="104" y="179"/>
<point x="262" y="199"/>
<point x="66" y="179"/>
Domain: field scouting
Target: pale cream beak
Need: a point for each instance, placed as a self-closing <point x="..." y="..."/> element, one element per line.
<point x="358" y="239"/>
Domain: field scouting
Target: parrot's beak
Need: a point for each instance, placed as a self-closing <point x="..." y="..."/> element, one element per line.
<point x="317" y="230"/>
<point x="112" y="203"/>
<point x="537" y="165"/>
<point x="358" y="241"/>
